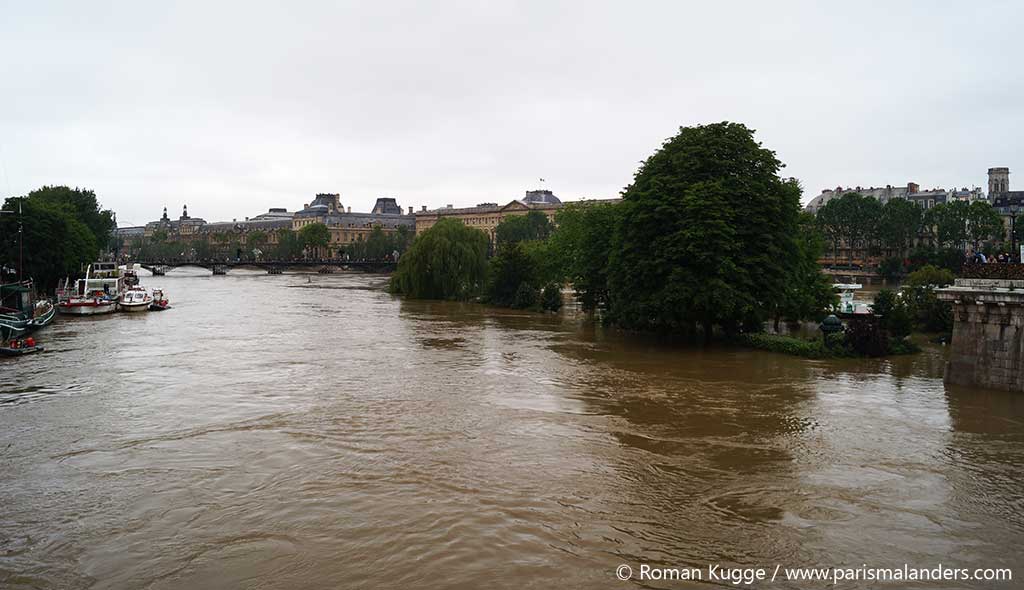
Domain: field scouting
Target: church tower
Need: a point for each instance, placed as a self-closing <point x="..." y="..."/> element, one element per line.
<point x="998" y="181"/>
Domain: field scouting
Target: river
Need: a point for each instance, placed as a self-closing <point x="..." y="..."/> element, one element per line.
<point x="313" y="431"/>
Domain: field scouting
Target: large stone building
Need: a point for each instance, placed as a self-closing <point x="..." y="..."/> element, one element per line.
<point x="344" y="225"/>
<point x="347" y="227"/>
<point x="487" y="216"/>
<point x="912" y="192"/>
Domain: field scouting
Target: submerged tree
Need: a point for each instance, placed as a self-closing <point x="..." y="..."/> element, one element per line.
<point x="706" y="236"/>
<point x="447" y="261"/>
<point x="581" y="246"/>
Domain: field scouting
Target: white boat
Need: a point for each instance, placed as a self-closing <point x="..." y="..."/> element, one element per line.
<point x="846" y="303"/>
<point x="96" y="294"/>
<point x="135" y="299"/>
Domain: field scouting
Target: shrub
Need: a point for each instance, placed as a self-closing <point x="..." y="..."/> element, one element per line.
<point x="551" y="297"/>
<point x="508" y="271"/>
<point x="930" y="276"/>
<point x="526" y="296"/>
<point x="865" y="336"/>
<point x="785" y="345"/>
<point x="894" y="314"/>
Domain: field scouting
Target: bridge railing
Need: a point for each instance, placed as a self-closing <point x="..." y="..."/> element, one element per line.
<point x="999" y="271"/>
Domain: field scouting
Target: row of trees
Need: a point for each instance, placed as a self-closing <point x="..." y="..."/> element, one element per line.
<point x="285" y="245"/>
<point x="707" y="236"/>
<point x="863" y="223"/>
<point x="63" y="229"/>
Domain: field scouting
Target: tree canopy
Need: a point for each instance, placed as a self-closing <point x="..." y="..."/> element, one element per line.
<point x="581" y="247"/>
<point x="315" y="235"/>
<point x="447" y="261"/>
<point x="519" y="228"/>
<point x="64" y="230"/>
<point x="706" y="235"/>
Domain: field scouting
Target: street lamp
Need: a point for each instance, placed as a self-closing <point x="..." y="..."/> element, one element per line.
<point x="1014" y="254"/>
<point x="21" y="250"/>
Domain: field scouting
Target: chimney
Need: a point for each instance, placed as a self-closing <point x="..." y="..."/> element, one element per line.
<point x="305" y="205"/>
<point x="349" y="210"/>
<point x="424" y="208"/>
<point x="410" y="209"/>
<point x="449" y="206"/>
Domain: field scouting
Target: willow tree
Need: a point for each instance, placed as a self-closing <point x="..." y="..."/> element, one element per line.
<point x="706" y="236"/>
<point x="447" y="261"/>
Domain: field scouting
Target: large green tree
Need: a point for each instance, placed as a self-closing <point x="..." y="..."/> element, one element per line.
<point x="82" y="205"/>
<point x="948" y="222"/>
<point x="706" y="236"/>
<point x="518" y="228"/>
<point x="983" y="223"/>
<point x="581" y="245"/>
<point x="447" y="261"/>
<point x="54" y="244"/>
<point x="900" y="224"/>
<point x="809" y="291"/>
<point x="852" y="219"/>
<point x="508" y="271"/>
<point x="315" y="235"/>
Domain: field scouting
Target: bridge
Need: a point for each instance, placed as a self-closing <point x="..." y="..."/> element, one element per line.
<point x="221" y="267"/>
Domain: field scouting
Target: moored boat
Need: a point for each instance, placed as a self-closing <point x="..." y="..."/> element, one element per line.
<point x="19" y="347"/>
<point x="96" y="294"/>
<point x="135" y="298"/>
<point x="20" y="311"/>
<point x="160" y="301"/>
<point x="847" y="304"/>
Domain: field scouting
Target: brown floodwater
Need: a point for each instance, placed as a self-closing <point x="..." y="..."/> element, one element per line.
<point x="300" y="431"/>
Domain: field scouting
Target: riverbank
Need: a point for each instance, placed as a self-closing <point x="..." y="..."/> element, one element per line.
<point x="816" y="348"/>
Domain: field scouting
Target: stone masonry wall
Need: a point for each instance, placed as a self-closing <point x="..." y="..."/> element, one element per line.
<point x="988" y="334"/>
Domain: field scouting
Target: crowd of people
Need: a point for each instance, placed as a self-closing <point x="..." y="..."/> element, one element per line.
<point x="1000" y="258"/>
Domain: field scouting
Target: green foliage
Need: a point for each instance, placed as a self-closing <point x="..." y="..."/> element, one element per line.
<point x="948" y="258"/>
<point x="510" y="269"/>
<point x="891" y="268"/>
<point x="895" y="316"/>
<point x="256" y="238"/>
<point x="526" y="296"/>
<point x="706" y="236"/>
<point x="551" y="297"/>
<point x="809" y="292"/>
<point x="519" y="228"/>
<point x="315" y="235"/>
<point x="900" y="224"/>
<point x="851" y="218"/>
<point x="983" y="223"/>
<point x="865" y="337"/>
<point x="814" y="349"/>
<point x="581" y="245"/>
<point x="81" y="205"/>
<point x="289" y="245"/>
<point x="930" y="276"/>
<point x="58" y="238"/>
<point x="448" y="261"/>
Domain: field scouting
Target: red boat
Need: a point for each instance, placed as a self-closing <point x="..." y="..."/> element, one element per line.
<point x="160" y="301"/>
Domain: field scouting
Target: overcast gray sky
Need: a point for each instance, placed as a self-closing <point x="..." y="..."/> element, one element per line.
<point x="235" y="107"/>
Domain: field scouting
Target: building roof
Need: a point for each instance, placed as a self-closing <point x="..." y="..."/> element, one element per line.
<point x="365" y="219"/>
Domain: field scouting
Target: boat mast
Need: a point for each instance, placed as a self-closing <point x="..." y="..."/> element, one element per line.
<point x="21" y="243"/>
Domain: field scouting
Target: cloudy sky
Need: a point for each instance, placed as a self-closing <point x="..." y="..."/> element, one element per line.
<point x="235" y="107"/>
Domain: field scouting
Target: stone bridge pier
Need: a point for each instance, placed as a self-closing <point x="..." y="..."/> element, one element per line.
<point x="988" y="333"/>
